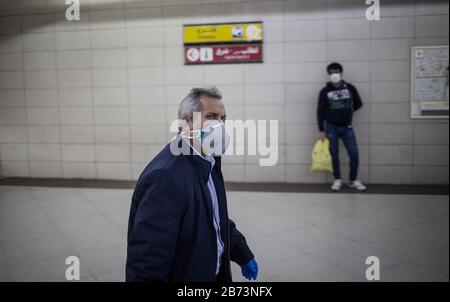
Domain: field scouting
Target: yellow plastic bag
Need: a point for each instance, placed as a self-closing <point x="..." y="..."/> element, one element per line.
<point x="321" y="157"/>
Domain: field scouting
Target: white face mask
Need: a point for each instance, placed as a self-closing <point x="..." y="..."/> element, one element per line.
<point x="214" y="138"/>
<point x="336" y="78"/>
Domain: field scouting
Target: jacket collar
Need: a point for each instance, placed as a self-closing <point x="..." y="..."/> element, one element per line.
<point x="201" y="165"/>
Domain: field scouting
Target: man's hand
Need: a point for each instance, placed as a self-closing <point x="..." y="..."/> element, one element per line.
<point x="250" y="270"/>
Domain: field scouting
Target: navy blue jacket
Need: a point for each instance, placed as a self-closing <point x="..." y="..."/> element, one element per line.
<point x="171" y="236"/>
<point x="337" y="104"/>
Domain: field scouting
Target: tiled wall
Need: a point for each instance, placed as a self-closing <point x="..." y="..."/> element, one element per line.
<point x="94" y="98"/>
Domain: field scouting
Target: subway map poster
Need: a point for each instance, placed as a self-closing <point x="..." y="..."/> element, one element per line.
<point x="430" y="82"/>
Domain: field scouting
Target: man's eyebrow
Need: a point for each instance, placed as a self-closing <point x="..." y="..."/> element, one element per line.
<point x="211" y="114"/>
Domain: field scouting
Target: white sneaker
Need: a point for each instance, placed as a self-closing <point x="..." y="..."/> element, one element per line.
<point x="337" y="185"/>
<point x="358" y="186"/>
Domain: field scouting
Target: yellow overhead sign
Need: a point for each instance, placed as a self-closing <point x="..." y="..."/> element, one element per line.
<point x="223" y="33"/>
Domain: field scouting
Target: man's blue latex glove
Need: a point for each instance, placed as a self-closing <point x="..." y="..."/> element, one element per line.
<point x="250" y="270"/>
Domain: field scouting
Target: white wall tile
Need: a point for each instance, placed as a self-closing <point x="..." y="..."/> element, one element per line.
<point x="45" y="152"/>
<point x="390" y="113"/>
<point x="348" y="50"/>
<point x="391" y="70"/>
<point x="45" y="169"/>
<point x="391" y="134"/>
<point x="107" y="19"/>
<point x="75" y="97"/>
<point x="305" y="52"/>
<point x="263" y="74"/>
<point x="301" y="114"/>
<point x="14" y="152"/>
<point x="112" y="134"/>
<point x="77" y="134"/>
<point x="12" y="98"/>
<point x="73" y="40"/>
<point x="431" y="134"/>
<point x="114" y="171"/>
<point x="39" y="42"/>
<point x="111" y="115"/>
<point x="276" y="174"/>
<point x="304" y="10"/>
<point x="113" y="38"/>
<point x="43" y="134"/>
<point x="186" y="75"/>
<point x="145" y="37"/>
<point x="314" y="30"/>
<point x="348" y="29"/>
<point x="391" y="174"/>
<point x="41" y="97"/>
<point x="78" y="153"/>
<point x="109" y="77"/>
<point x="11" y="80"/>
<point x="432" y="26"/>
<point x="431" y="155"/>
<point x="12" y="116"/>
<point x="41" y="79"/>
<point x="153" y="56"/>
<point x="389" y="27"/>
<point x="227" y="74"/>
<point x="303" y="174"/>
<point x="391" y="155"/>
<point x="15" y="168"/>
<point x="144" y="17"/>
<point x="110" y="97"/>
<point x="146" y="96"/>
<point x="430" y="175"/>
<point x="306" y="73"/>
<point x="264" y="94"/>
<point x="109" y="58"/>
<point x="303" y="93"/>
<point x="11" y="62"/>
<point x="391" y="49"/>
<point x="144" y="153"/>
<point x="154" y="115"/>
<point x="78" y="170"/>
<point x="390" y="91"/>
<point x="39" y="60"/>
<point x="146" y="76"/>
<point x="13" y="134"/>
<point x="42" y="116"/>
<point x="112" y="153"/>
<point x="74" y="59"/>
<point x="76" y="116"/>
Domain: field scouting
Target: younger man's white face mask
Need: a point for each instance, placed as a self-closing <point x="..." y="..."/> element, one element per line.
<point x="335" y="78"/>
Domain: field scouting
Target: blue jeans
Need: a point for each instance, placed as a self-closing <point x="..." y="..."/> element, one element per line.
<point x="334" y="133"/>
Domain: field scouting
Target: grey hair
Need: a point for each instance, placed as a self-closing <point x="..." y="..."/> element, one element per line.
<point x="191" y="103"/>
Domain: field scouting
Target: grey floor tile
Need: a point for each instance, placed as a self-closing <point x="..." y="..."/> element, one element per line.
<point x="436" y="261"/>
<point x="354" y="227"/>
<point x="404" y="244"/>
<point x="311" y="238"/>
<point x="410" y="272"/>
<point x="104" y="260"/>
<point x="351" y="257"/>
<point x="114" y="276"/>
<point x="306" y="268"/>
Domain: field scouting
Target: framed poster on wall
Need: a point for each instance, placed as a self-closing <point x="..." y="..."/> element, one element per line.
<point x="429" y="82"/>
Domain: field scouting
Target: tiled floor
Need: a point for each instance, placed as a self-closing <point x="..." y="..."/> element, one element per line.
<point x="295" y="236"/>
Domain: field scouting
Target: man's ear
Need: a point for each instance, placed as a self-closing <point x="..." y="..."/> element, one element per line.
<point x="185" y="124"/>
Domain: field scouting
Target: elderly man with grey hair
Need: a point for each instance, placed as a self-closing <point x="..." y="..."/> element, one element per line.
<point x="178" y="227"/>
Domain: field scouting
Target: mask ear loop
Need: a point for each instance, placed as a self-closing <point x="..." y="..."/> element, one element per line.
<point x="184" y="136"/>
